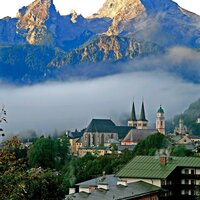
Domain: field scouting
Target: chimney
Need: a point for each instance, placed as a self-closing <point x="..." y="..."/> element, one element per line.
<point x="103" y="186"/>
<point x="72" y="190"/>
<point x="163" y="159"/>
<point x="122" y="183"/>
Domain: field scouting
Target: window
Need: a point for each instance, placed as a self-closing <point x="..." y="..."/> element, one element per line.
<point x="192" y="171"/>
<point x="186" y="182"/>
<point x="186" y="171"/>
<point x="163" y="182"/>
<point x="186" y="192"/>
<point x="192" y="192"/>
<point x="192" y="182"/>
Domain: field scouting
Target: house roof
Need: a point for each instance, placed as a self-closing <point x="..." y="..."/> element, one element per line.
<point x="132" y="191"/>
<point x="136" y="135"/>
<point x="75" y="134"/>
<point x="194" y="136"/>
<point x="101" y="126"/>
<point x="113" y="141"/>
<point x="150" y="167"/>
<point x="108" y="179"/>
<point x="94" y="148"/>
<point x="129" y="147"/>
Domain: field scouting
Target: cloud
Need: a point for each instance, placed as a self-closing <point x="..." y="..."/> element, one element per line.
<point x="180" y="61"/>
<point x="70" y="105"/>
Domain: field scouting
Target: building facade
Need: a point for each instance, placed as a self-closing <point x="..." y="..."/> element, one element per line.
<point x="160" y="121"/>
<point x="178" y="176"/>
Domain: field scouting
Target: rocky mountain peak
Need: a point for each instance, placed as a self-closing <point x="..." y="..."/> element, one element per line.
<point x="124" y="11"/>
<point x="126" y="8"/>
<point x="132" y="8"/>
<point x="74" y="16"/>
<point x="32" y="20"/>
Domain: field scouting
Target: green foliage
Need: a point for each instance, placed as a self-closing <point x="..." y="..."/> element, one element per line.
<point x="42" y="153"/>
<point x="48" y="153"/>
<point x="90" y="166"/>
<point x="181" y="151"/>
<point x="18" y="182"/>
<point x="151" y="144"/>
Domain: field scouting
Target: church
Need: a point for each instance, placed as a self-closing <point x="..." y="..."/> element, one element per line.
<point x="141" y="130"/>
<point x="100" y="131"/>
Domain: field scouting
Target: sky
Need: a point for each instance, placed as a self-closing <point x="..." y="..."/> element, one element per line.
<point x="84" y="7"/>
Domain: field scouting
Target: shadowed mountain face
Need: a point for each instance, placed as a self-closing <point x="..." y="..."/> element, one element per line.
<point x="159" y="21"/>
<point x="39" y="38"/>
<point x="40" y="23"/>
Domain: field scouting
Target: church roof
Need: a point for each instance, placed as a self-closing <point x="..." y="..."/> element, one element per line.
<point x="133" y="115"/>
<point x="160" y="110"/>
<point x="101" y="126"/>
<point x="142" y="114"/>
<point x="123" y="130"/>
<point x="136" y="135"/>
<point x="107" y="126"/>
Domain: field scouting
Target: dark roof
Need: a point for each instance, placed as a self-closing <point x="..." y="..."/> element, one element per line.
<point x="123" y="147"/>
<point x="133" y="115"/>
<point x="142" y="114"/>
<point x="108" y="179"/>
<point x="123" y="130"/>
<point x="101" y="126"/>
<point x="194" y="136"/>
<point x="150" y="167"/>
<point x="94" y="148"/>
<point x="132" y="191"/>
<point x="112" y="141"/>
<point x="160" y="110"/>
<point x="75" y="134"/>
<point x="136" y="135"/>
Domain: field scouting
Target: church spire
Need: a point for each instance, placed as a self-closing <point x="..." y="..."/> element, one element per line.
<point x="133" y="115"/>
<point x="142" y="114"/>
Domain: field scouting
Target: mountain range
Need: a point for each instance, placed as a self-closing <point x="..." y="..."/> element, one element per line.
<point x="40" y="44"/>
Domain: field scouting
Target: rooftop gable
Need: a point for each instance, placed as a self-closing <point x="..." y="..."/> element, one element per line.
<point x="136" y="135"/>
<point x="101" y="126"/>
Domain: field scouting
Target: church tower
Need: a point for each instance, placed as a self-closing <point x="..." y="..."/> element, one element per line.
<point x="160" y="120"/>
<point x="142" y="123"/>
<point x="133" y="120"/>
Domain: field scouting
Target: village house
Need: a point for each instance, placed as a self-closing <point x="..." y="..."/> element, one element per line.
<point x="178" y="176"/>
<point x="119" y="189"/>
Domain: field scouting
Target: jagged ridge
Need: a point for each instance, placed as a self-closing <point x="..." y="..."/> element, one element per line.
<point x="107" y="49"/>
